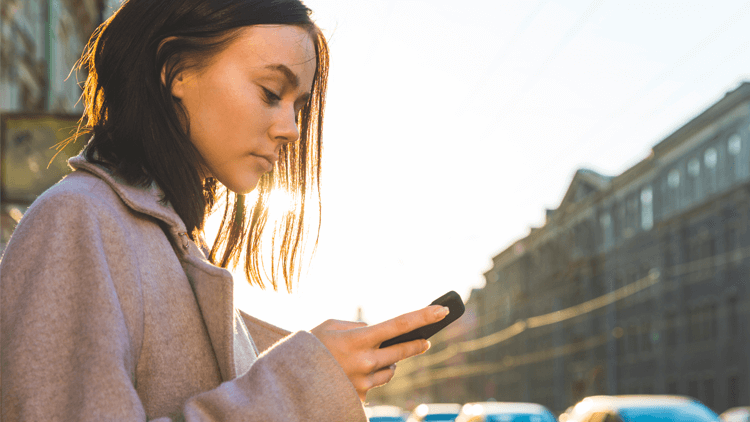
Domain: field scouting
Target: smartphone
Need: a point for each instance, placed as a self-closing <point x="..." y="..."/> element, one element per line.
<point x="456" y="306"/>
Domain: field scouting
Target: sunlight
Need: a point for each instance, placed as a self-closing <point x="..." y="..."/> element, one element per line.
<point x="280" y="203"/>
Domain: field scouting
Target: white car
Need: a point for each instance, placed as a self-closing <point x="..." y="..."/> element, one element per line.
<point x="384" y="413"/>
<point x="736" y="414"/>
<point x="641" y="408"/>
<point x="435" y="412"/>
<point x="505" y="412"/>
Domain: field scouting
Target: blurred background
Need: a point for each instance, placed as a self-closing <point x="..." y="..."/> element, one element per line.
<point x="579" y="171"/>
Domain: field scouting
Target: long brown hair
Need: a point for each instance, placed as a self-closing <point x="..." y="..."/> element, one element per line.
<point x="138" y="129"/>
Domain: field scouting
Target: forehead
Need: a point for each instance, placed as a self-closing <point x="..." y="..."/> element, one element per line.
<point x="264" y="46"/>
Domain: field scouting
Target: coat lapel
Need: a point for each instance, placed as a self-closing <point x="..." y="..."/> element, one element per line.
<point x="213" y="286"/>
<point x="214" y="292"/>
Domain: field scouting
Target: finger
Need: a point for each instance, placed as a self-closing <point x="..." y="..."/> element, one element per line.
<point x="407" y="322"/>
<point x="374" y="379"/>
<point x="397" y="352"/>
<point x="382" y="376"/>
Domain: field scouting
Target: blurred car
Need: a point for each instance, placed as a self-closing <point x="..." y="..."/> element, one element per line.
<point x="641" y="408"/>
<point x="435" y="412"/>
<point x="384" y="413"/>
<point x="505" y="412"/>
<point x="736" y="414"/>
<point x="563" y="417"/>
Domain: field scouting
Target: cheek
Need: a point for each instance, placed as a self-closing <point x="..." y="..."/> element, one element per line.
<point x="219" y="118"/>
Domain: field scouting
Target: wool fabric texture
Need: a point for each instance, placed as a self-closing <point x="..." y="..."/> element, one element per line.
<point x="109" y="312"/>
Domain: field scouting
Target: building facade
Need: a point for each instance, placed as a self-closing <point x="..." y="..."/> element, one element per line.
<point x="40" y="43"/>
<point x="635" y="284"/>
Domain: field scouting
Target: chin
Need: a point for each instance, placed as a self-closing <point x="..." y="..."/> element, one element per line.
<point x="241" y="187"/>
<point x="242" y="190"/>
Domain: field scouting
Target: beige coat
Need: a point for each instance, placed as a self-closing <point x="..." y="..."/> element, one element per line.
<point x="102" y="319"/>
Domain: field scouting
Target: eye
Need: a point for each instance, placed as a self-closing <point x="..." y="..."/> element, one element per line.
<point x="270" y="96"/>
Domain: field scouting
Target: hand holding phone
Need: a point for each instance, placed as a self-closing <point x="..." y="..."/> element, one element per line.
<point x="363" y="355"/>
<point x="456" y="308"/>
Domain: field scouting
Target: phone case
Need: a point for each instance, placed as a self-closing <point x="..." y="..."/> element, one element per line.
<point x="456" y="306"/>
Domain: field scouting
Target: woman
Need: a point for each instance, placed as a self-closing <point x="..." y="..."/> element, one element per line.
<point x="111" y="305"/>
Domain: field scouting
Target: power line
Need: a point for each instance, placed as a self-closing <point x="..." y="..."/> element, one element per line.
<point x="564" y="41"/>
<point x="402" y="383"/>
<point x="640" y="94"/>
<point x="739" y="50"/>
<point x="509" y="362"/>
<point x="673" y="270"/>
<point x="536" y="322"/>
<point x="569" y="313"/>
<point x="503" y="53"/>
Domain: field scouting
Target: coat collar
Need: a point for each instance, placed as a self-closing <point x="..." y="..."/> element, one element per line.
<point x="213" y="286"/>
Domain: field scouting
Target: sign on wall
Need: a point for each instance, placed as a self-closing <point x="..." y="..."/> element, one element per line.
<point x="27" y="149"/>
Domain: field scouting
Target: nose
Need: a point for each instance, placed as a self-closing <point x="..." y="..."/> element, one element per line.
<point x="284" y="129"/>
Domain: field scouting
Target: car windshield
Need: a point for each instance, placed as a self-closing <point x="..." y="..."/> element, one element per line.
<point x="521" y="417"/>
<point x="690" y="412"/>
<point x="441" y="417"/>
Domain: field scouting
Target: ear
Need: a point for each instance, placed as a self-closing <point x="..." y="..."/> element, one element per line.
<point x="178" y="83"/>
<point x="178" y="88"/>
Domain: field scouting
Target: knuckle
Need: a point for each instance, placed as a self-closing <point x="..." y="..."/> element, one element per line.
<point x="402" y="324"/>
<point x="369" y="365"/>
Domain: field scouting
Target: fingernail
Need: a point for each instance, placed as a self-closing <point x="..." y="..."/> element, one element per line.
<point x="442" y="312"/>
<point x="427" y="345"/>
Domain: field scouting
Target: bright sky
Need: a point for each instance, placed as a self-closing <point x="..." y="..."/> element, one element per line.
<point x="451" y="126"/>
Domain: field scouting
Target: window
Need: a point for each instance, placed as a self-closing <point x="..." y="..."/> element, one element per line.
<point x="694" y="167"/>
<point x="632" y="339"/>
<point x="646" y="339"/>
<point x="647" y="208"/>
<point x="708" y="392"/>
<point x="619" y="334"/>
<point x="734" y="144"/>
<point x="670" y="328"/>
<point x="693" y="388"/>
<point x="702" y="323"/>
<point x="732" y="317"/>
<point x="606" y="222"/>
<point x="630" y="220"/>
<point x="733" y="390"/>
<point x="673" y="178"/>
<point x="672" y="387"/>
<point x="710" y="158"/>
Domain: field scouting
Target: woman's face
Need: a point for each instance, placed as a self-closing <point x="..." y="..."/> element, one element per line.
<point x="242" y="108"/>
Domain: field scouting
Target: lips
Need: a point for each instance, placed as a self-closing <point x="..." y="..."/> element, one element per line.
<point x="268" y="160"/>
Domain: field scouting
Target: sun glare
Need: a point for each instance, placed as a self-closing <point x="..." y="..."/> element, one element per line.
<point x="279" y="203"/>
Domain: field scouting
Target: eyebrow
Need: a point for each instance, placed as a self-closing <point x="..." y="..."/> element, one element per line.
<point x="288" y="74"/>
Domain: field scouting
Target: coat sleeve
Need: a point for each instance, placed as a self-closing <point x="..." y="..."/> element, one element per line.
<point x="297" y="379"/>
<point x="68" y="351"/>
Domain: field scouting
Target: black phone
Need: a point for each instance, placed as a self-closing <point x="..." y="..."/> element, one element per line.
<point x="456" y="306"/>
